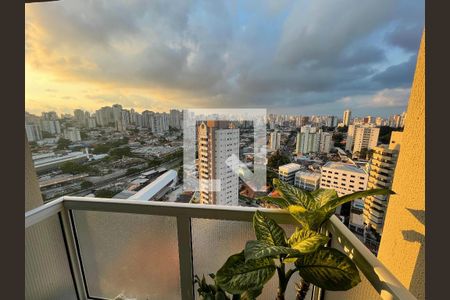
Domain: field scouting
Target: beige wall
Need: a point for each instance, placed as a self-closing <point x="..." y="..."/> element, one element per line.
<point x="33" y="197"/>
<point x="402" y="247"/>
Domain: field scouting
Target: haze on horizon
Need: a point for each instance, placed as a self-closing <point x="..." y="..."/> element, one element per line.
<point x="305" y="57"/>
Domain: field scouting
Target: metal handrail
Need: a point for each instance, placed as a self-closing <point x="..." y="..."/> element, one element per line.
<point x="384" y="282"/>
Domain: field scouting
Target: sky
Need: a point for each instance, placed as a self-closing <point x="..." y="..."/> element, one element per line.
<point x="290" y="57"/>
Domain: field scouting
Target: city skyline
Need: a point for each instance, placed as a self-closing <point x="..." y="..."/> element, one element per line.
<point x="277" y="56"/>
<point x="339" y="115"/>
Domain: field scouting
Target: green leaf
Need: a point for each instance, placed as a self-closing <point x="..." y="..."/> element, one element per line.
<point x="333" y="204"/>
<point x="237" y="276"/>
<point x="322" y="196"/>
<point x="268" y="231"/>
<point x="329" y="269"/>
<point x="294" y="195"/>
<point x="307" y="241"/>
<point x="281" y="202"/>
<point x="307" y="218"/>
<point x="259" y="249"/>
<point x="251" y="294"/>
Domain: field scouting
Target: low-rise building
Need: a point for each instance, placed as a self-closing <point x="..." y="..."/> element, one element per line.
<point x="309" y="181"/>
<point x="287" y="172"/>
<point x="345" y="179"/>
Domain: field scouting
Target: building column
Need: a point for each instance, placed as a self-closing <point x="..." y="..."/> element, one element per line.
<point x="402" y="247"/>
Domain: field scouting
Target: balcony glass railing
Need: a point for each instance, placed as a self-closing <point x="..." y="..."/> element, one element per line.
<point x="91" y="248"/>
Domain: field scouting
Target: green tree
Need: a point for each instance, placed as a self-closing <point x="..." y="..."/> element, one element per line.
<point x="338" y="138"/>
<point x="132" y="171"/>
<point x="46" y="134"/>
<point x="277" y="159"/>
<point x="120" y="152"/>
<point x="63" y="144"/>
<point x="101" y="149"/>
<point x="105" y="193"/>
<point x="71" y="167"/>
<point x="86" y="184"/>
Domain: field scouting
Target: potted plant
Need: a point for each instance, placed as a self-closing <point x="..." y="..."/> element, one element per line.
<point x="244" y="274"/>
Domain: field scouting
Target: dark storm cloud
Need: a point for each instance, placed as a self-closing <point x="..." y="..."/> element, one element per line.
<point x="397" y="75"/>
<point x="220" y="53"/>
<point x="405" y="37"/>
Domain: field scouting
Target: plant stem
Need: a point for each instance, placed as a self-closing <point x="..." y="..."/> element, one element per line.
<point x="281" y="282"/>
<point x="302" y="290"/>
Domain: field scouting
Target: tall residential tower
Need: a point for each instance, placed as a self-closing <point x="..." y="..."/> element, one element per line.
<point x="217" y="141"/>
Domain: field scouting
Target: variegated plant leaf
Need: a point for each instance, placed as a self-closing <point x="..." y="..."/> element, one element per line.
<point x="238" y="276"/>
<point x="307" y="241"/>
<point x="294" y="195"/>
<point x="329" y="269"/>
<point x="259" y="249"/>
<point x="268" y="231"/>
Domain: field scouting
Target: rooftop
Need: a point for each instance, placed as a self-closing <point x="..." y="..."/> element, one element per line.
<point x="308" y="175"/>
<point x="149" y="191"/>
<point x="343" y="167"/>
<point x="291" y="167"/>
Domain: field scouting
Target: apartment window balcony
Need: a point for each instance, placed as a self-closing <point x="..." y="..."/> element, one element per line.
<point x="92" y="248"/>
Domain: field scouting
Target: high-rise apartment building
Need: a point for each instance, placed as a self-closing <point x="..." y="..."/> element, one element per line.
<point x="326" y="142"/>
<point x="360" y="137"/>
<point x="50" y="115"/>
<point x="395" y="121"/>
<point x="379" y="121"/>
<point x="33" y="132"/>
<point x="51" y="126"/>
<point x="72" y="134"/>
<point x="275" y="139"/>
<point x="217" y="141"/>
<point x="175" y="118"/>
<point x="105" y="116"/>
<point x="308" y="140"/>
<point x="80" y="117"/>
<point x="347" y="117"/>
<point x="331" y="121"/>
<point x="368" y="119"/>
<point x="117" y="112"/>
<point x="381" y="175"/>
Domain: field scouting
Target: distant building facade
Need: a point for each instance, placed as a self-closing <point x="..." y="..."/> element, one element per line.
<point x="306" y="180"/>
<point x="360" y="137"/>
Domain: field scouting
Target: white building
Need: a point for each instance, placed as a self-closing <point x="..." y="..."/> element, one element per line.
<point x="51" y="126"/>
<point x="72" y="134"/>
<point x="217" y="141"/>
<point x="360" y="137"/>
<point x="381" y="175"/>
<point x="326" y="142"/>
<point x="275" y="139"/>
<point x="346" y="117"/>
<point x="287" y="172"/>
<point x="309" y="181"/>
<point x="157" y="188"/>
<point x="308" y="140"/>
<point x="33" y="132"/>
<point x="346" y="179"/>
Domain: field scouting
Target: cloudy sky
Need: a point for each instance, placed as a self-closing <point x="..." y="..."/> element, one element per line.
<point x="295" y="57"/>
